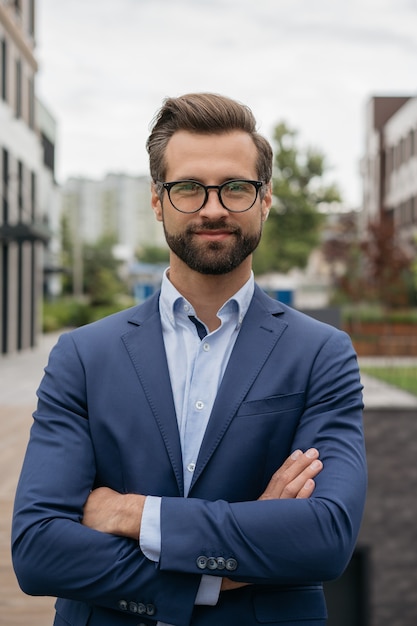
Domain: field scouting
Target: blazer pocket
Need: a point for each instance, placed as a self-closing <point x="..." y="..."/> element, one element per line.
<point x="291" y="605"/>
<point x="273" y="404"/>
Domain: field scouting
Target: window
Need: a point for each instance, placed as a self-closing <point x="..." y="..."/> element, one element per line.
<point x="31" y="103"/>
<point x="5" y="181"/>
<point x="32" y="17"/>
<point x="18" y="104"/>
<point x="20" y="190"/>
<point x="33" y="196"/>
<point x="412" y="142"/>
<point x="3" y="70"/>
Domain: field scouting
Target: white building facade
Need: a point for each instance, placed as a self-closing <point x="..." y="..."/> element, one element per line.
<point x="389" y="167"/>
<point x="119" y="206"/>
<point x="26" y="181"/>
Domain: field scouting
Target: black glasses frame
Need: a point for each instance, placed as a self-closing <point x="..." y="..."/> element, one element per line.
<point x="257" y="184"/>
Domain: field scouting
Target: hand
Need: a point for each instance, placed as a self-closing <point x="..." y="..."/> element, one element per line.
<point x="115" y="513"/>
<point x="294" y="479"/>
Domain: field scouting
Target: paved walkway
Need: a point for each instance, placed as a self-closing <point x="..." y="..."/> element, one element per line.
<point x="19" y="377"/>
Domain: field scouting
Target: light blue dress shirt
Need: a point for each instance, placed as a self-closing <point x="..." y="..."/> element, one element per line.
<point x="196" y="367"/>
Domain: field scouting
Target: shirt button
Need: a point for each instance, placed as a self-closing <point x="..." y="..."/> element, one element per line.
<point x="206" y="347"/>
<point x="199" y="405"/>
<point x="186" y="307"/>
<point x="191" y="467"/>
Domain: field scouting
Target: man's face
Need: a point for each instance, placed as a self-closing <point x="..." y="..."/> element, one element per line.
<point x="213" y="240"/>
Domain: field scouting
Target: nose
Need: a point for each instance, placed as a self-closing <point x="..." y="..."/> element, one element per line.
<point x="213" y="207"/>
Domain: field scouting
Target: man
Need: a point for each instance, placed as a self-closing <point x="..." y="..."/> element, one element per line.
<point x="172" y="475"/>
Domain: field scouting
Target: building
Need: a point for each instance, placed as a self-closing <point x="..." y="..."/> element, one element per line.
<point x="26" y="180"/>
<point x="389" y="167"/>
<point x="119" y="206"/>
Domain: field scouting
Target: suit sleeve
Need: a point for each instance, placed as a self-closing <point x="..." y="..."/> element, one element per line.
<point x="53" y="553"/>
<point x="287" y="541"/>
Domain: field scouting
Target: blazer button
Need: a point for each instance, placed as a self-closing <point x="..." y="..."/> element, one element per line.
<point x="231" y="565"/>
<point x="150" y="609"/>
<point x="221" y="562"/>
<point x="211" y="563"/>
<point x="202" y="562"/>
<point x="141" y="608"/>
<point x="133" y="607"/>
<point x="123" y="605"/>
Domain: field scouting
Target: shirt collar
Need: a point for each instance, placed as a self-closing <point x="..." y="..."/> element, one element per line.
<point x="172" y="303"/>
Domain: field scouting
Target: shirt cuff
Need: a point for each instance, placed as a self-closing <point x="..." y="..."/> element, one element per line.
<point x="150" y="529"/>
<point x="209" y="590"/>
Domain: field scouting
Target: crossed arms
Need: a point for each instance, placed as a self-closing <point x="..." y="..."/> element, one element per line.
<point x="120" y="514"/>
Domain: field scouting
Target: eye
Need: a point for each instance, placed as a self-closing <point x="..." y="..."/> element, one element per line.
<point x="238" y="186"/>
<point x="187" y="187"/>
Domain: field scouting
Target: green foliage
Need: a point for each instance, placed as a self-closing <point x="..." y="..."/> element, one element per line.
<point x="101" y="280"/>
<point x="67" y="254"/>
<point x="153" y="254"/>
<point x="403" y="377"/>
<point x="101" y="283"/>
<point x="70" y="313"/>
<point x="378" y="313"/>
<point x="292" y="230"/>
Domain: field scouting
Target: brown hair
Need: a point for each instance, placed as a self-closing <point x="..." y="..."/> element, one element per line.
<point x="203" y="113"/>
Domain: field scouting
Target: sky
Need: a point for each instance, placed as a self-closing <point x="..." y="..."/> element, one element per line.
<point x="105" y="67"/>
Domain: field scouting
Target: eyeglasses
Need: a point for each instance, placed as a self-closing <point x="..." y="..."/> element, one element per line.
<point x="189" y="196"/>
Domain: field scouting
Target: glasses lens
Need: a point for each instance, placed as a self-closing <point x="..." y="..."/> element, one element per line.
<point x="187" y="196"/>
<point x="238" y="195"/>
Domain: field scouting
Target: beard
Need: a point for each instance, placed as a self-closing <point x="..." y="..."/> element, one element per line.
<point x="213" y="257"/>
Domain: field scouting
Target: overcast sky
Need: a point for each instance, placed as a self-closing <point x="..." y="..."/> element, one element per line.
<point x="106" y="65"/>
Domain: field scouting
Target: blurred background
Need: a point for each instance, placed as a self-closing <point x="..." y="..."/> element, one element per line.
<point x="333" y="86"/>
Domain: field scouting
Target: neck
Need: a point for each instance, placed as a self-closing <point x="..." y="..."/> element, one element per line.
<point x="207" y="293"/>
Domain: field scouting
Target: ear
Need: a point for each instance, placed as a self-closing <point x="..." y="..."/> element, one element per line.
<point x="156" y="203"/>
<point x="266" y="202"/>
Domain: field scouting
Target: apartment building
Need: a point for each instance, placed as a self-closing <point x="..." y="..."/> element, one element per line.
<point x="118" y="205"/>
<point x="27" y="189"/>
<point x="389" y="167"/>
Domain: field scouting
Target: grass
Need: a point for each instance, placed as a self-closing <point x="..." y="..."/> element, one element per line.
<point x="404" y="377"/>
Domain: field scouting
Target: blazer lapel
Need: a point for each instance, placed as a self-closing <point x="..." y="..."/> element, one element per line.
<point x="145" y="346"/>
<point x="261" y="329"/>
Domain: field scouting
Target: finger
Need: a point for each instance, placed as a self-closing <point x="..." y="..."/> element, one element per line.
<point x="296" y="463"/>
<point x="303" y="485"/>
<point x="289" y="479"/>
<point x="307" y="490"/>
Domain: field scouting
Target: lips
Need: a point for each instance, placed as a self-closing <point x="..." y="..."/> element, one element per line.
<point x="213" y="230"/>
<point x="214" y="234"/>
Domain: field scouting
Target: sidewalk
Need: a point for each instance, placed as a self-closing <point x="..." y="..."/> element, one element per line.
<point x="20" y="375"/>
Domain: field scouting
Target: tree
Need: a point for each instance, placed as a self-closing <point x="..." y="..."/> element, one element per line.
<point x="153" y="254"/>
<point x="101" y="280"/>
<point x="387" y="266"/>
<point x="292" y="230"/>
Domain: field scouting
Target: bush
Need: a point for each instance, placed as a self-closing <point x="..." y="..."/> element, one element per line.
<point x="376" y="313"/>
<point x="70" y="313"/>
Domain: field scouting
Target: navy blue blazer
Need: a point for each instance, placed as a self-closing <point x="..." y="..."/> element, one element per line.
<point x="106" y="416"/>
